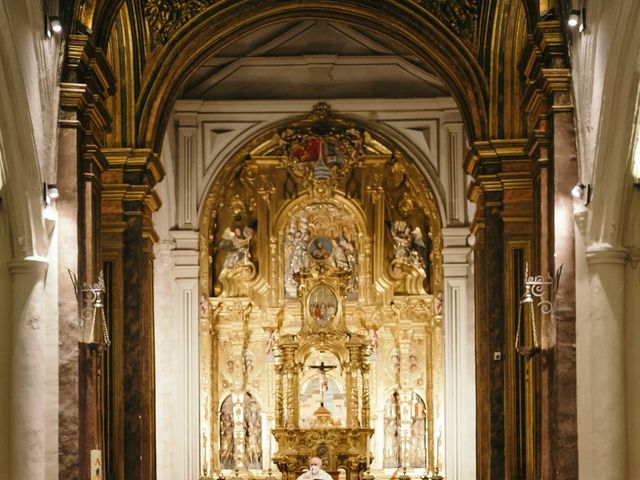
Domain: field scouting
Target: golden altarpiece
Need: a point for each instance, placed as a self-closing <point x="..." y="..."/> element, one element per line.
<point x="321" y="312"/>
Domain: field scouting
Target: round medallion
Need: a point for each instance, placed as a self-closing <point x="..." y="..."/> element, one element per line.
<point x="320" y="248"/>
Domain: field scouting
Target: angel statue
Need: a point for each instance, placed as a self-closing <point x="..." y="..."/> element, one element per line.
<point x="407" y="242"/>
<point x="239" y="240"/>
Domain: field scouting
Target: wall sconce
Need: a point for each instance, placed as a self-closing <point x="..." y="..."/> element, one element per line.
<point x="93" y="310"/>
<point x="49" y="192"/>
<point x="582" y="191"/>
<point x="52" y="25"/>
<point x="54" y="193"/>
<point x="577" y="18"/>
<point x="538" y="293"/>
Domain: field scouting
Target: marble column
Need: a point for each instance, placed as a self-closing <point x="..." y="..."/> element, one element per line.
<point x="27" y="369"/>
<point x="604" y="363"/>
<point x="460" y="381"/>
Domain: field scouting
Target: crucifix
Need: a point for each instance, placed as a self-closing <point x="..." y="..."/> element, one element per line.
<point x="324" y="384"/>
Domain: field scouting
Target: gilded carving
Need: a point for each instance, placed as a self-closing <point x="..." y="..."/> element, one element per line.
<point x="322" y="303"/>
<point x="458" y="15"/>
<point x="165" y="17"/>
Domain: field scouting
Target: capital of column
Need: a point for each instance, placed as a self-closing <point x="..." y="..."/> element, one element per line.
<point x="28" y="265"/>
<point x="599" y="254"/>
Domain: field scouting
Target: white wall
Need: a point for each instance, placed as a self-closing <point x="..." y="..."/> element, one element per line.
<point x="605" y="73"/>
<point x="5" y="335"/>
<point x="28" y="131"/>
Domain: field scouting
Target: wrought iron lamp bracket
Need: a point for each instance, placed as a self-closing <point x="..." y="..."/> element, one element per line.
<point x="93" y="302"/>
<point x="539" y="293"/>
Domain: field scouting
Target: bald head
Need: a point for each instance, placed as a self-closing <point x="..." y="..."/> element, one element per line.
<point x="317" y="461"/>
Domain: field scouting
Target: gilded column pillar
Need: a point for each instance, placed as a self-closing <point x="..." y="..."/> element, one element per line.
<point x="27" y="369"/>
<point x="366" y="396"/>
<point x="291" y="369"/>
<point x="352" y="386"/>
<point x="279" y="400"/>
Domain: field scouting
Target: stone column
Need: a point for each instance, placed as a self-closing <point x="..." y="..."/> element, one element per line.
<point x="460" y="380"/>
<point x="27" y="369"/>
<point x="606" y="365"/>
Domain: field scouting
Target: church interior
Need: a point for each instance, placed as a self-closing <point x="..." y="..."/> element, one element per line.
<point x="401" y="236"/>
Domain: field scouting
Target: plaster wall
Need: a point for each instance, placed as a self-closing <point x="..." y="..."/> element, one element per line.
<point x="606" y="79"/>
<point x="28" y="123"/>
<point x="5" y="335"/>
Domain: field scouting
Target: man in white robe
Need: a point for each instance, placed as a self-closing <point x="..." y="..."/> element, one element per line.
<point x="315" y="471"/>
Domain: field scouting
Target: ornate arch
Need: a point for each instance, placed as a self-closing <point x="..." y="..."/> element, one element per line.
<point x="413" y="26"/>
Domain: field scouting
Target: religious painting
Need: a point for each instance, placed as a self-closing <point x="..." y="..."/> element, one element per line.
<point x="322" y="304"/>
<point x="320" y="248"/>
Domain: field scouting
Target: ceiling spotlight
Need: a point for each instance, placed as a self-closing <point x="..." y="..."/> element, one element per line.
<point x="53" y="191"/>
<point x="577" y="190"/>
<point x="574" y="18"/>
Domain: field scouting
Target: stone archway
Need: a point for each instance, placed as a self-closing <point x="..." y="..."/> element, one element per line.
<point x="505" y="169"/>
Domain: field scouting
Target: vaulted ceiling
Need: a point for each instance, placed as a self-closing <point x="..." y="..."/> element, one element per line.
<point x="312" y="59"/>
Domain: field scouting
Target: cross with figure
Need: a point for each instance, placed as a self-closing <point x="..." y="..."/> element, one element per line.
<point x="324" y="384"/>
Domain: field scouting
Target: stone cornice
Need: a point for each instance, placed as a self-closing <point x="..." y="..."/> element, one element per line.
<point x="87" y="64"/>
<point x="487" y="157"/>
<point x="134" y="166"/>
<point x="543" y="63"/>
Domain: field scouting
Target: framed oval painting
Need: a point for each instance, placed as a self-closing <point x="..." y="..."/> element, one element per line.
<point x="322" y="304"/>
<point x="320" y="248"/>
